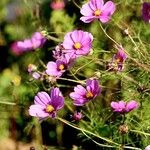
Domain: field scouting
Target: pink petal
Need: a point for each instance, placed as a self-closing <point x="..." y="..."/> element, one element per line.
<point x="131" y="105"/>
<point x="80" y="90"/>
<point x="97" y="3"/>
<point x="114" y="105"/>
<point x="86" y="10"/>
<point x="38" y="111"/>
<point x="42" y="98"/>
<point x="87" y="19"/>
<point x="108" y="8"/>
<point x="104" y="19"/>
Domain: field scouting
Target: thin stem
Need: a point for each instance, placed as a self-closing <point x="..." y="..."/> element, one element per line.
<point x="49" y="37"/>
<point x="7" y="103"/>
<point x="108" y="35"/>
<point x="91" y="133"/>
<point x="136" y="131"/>
<point x="81" y="82"/>
<point x="86" y="131"/>
<point x="76" y="4"/>
<point x="99" y="144"/>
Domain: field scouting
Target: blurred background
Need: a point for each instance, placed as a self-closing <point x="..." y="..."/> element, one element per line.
<point x="19" y="19"/>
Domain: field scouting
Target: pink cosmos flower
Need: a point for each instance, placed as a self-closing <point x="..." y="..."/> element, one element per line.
<point x="124" y="107"/>
<point x="57" y="68"/>
<point x="118" y="59"/>
<point x="78" y="43"/>
<point x="81" y="94"/>
<point x="96" y="9"/>
<point x="37" y="40"/>
<point x="57" y="4"/>
<point x="46" y="105"/>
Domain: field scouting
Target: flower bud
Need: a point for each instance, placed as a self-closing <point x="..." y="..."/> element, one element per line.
<point x="123" y="129"/>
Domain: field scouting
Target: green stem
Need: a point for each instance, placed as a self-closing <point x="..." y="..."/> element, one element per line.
<point x="108" y="35"/>
<point x="86" y="131"/>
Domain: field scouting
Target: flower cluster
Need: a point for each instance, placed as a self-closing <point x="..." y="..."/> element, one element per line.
<point x="36" y="41"/>
<point x="76" y="44"/>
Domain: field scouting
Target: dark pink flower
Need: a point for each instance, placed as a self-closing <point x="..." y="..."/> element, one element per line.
<point x="96" y="9"/>
<point x="77" y="116"/>
<point x="81" y="94"/>
<point x="78" y="43"/>
<point x="146" y="11"/>
<point x="46" y="105"/>
<point x="15" y="50"/>
<point x="118" y="59"/>
<point x="57" y="4"/>
<point x="57" y="68"/>
<point x="124" y="107"/>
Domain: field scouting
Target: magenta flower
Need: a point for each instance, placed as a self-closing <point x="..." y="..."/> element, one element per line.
<point x="124" y="107"/>
<point x="81" y="94"/>
<point x="78" y="43"/>
<point x="37" y="40"/>
<point x="46" y="105"/>
<point x="118" y="59"/>
<point x="146" y="11"/>
<point x="57" y="68"/>
<point x="96" y="9"/>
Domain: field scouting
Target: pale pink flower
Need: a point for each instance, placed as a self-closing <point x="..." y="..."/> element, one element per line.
<point x="96" y="9"/>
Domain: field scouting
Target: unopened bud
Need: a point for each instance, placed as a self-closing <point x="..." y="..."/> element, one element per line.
<point x="31" y="68"/>
<point x="123" y="129"/>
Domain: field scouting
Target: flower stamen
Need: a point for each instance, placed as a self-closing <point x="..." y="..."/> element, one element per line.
<point x="77" y="45"/>
<point x="97" y="12"/>
<point x="89" y="94"/>
<point x="61" y="67"/>
<point x="49" y="109"/>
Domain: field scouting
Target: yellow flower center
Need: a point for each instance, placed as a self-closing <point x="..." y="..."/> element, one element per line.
<point x="89" y="94"/>
<point x="97" y="12"/>
<point x="77" y="45"/>
<point x="49" y="108"/>
<point x="61" y="67"/>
